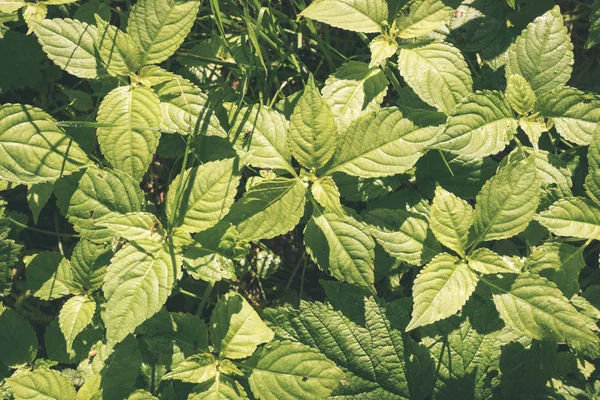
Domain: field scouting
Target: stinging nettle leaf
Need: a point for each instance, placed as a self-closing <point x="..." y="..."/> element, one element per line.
<point x="420" y="17"/>
<point x="574" y="216"/>
<point x="195" y="369"/>
<point x="519" y="94"/>
<point x="485" y="261"/>
<point x="116" y="49"/>
<point x="42" y="384"/>
<point x="450" y="220"/>
<point x="74" y="316"/>
<point x="133" y="226"/>
<point x="219" y="388"/>
<point x="353" y="15"/>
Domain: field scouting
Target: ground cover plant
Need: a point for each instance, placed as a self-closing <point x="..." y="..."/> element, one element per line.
<point x="345" y="199"/>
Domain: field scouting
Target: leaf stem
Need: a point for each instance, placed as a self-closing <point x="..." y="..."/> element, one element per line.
<point x="205" y="297"/>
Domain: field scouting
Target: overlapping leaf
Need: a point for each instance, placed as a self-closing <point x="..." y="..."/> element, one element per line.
<point x="353" y="15"/>
<point x="573" y="216"/>
<point x="42" y="384"/>
<point x="420" y="17"/>
<point x="451" y="219"/>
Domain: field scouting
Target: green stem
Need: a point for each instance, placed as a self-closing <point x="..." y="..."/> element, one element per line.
<point x="31" y="228"/>
<point x="205" y="297"/>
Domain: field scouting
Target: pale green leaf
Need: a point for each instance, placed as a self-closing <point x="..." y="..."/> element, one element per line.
<point x="42" y="384"/>
<point x="420" y="17"/>
<point x="519" y="94"/>
<point x="33" y="148"/>
<point x="10" y="6"/>
<point x="437" y="72"/>
<point x="481" y="125"/>
<point x="594" y="33"/>
<point x="342" y="247"/>
<point x="533" y="128"/>
<point x="353" y="90"/>
<point x="70" y="45"/>
<point x="137" y="284"/>
<point x="382" y="143"/>
<point x="287" y="370"/>
<point x="38" y="195"/>
<point x="159" y="27"/>
<point x="236" y="329"/>
<point x="507" y="202"/>
<point x="353" y="15"/>
<point x="441" y="289"/>
<point x="219" y="388"/>
<point x="543" y="53"/>
<point x="536" y="308"/>
<point x="133" y="226"/>
<point x="195" y="369"/>
<point x="574" y="216"/>
<point x="13" y="352"/>
<point x="592" y="180"/>
<point x="313" y="129"/>
<point x="74" y="316"/>
<point x="326" y="193"/>
<point x="270" y="208"/>
<point x="575" y="114"/>
<point x="49" y="275"/>
<point x="116" y="49"/>
<point x="450" y="220"/>
<point x="200" y="197"/>
<point x="131" y="139"/>
<point x="141" y="394"/>
<point x="559" y="263"/>
<point x="486" y="261"/>
<point x="88" y="263"/>
<point x="33" y="14"/>
<point x="382" y="48"/>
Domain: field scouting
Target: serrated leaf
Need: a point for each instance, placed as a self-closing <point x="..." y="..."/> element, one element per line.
<point x="49" y="276"/>
<point x="75" y="315"/>
<point x="533" y="128"/>
<point x="507" y="202"/>
<point x="116" y="49"/>
<point x="420" y="17"/>
<point x="10" y="6"/>
<point x="33" y="148"/>
<point x="342" y="247"/>
<point x="195" y="369"/>
<point x="313" y="129"/>
<point x="202" y="196"/>
<point x="382" y="143"/>
<point x="437" y="72"/>
<point x="219" y="388"/>
<point x="440" y="290"/>
<point x="88" y="263"/>
<point x="326" y="193"/>
<point x="292" y="370"/>
<point x="70" y="45"/>
<point x="543" y="53"/>
<point x="536" y="308"/>
<point x="14" y="353"/>
<point x="33" y="14"/>
<point x="594" y="32"/>
<point x="382" y="48"/>
<point x="159" y="27"/>
<point x="450" y="220"/>
<point x="485" y="261"/>
<point x="137" y="284"/>
<point x="130" y="141"/>
<point x="592" y="180"/>
<point x="133" y="226"/>
<point x="268" y="209"/>
<point x="38" y="195"/>
<point x="481" y="125"/>
<point x="574" y="216"/>
<point x="519" y="94"/>
<point x="575" y="114"/>
<point x="43" y="384"/>
<point x="353" y="15"/>
<point x="236" y="329"/>
<point x="353" y="90"/>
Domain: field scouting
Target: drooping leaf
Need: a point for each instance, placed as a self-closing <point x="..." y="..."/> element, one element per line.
<point x="49" y="276"/>
<point x="117" y="50"/>
<point x="33" y="148"/>
<point x="421" y="17"/>
<point x="42" y="384"/>
<point x="74" y="316"/>
<point x="195" y="369"/>
<point x="451" y="219"/>
<point x="519" y="94"/>
<point x="134" y="117"/>
<point x="574" y="216"/>
<point x="353" y="15"/>
<point x="437" y="72"/>
<point x="236" y="329"/>
<point x="159" y="27"/>
<point x="18" y="340"/>
<point x="543" y="53"/>
<point x="592" y="180"/>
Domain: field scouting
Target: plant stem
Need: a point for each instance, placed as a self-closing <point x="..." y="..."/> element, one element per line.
<point x="31" y="228"/>
<point x="205" y="297"/>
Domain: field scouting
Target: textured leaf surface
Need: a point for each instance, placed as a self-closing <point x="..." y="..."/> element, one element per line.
<point x="38" y="195"/>
<point x="592" y="180"/>
<point x="559" y="263"/>
<point x="486" y="261"/>
<point x="441" y="289"/>
<point x="594" y="33"/>
<point x="33" y="149"/>
<point x="326" y="193"/>
<point x="519" y="94"/>
<point x="43" y="384"/>
<point x="74" y="316"/>
<point x="543" y="53"/>
<point x="353" y="15"/>
<point x="236" y="329"/>
<point x="135" y="117"/>
<point x="49" y="276"/>
<point x="159" y="27"/>
<point x="292" y="370"/>
<point x="88" y="263"/>
<point x="134" y="226"/>
<point x="451" y="219"/>
<point x="382" y="48"/>
<point x="116" y="49"/>
<point x="16" y="352"/>
<point x="421" y="17"/>
<point x="437" y="72"/>
<point x="195" y="369"/>
<point x="219" y="388"/>
<point x="573" y="216"/>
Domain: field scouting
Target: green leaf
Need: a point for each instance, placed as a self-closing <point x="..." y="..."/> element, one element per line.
<point x="292" y="370"/>
<point x="219" y="388"/>
<point x="195" y="369"/>
<point x="236" y="329"/>
<point x="33" y="148"/>
<point x="437" y="72"/>
<point x="592" y="180"/>
<point x="382" y="48"/>
<point x="200" y="197"/>
<point x="441" y="289"/>
<point x="451" y="219"/>
<point x="137" y="284"/>
<point x="18" y="340"/>
<point x="342" y="247"/>
<point x="507" y="202"/>
<point x="485" y="261"/>
<point x="70" y="45"/>
<point x="75" y="315"/>
<point x="141" y="394"/>
<point x="481" y="125"/>
<point x="159" y="27"/>
<point x="133" y="226"/>
<point x="382" y="143"/>
<point x="574" y="216"/>
<point x="313" y="129"/>
<point x="533" y="128"/>
<point x="9" y="255"/>
<point x="269" y="208"/>
<point x="10" y="6"/>
<point x="129" y="141"/>
<point x="326" y="193"/>
<point x="88" y="263"/>
<point x="536" y="308"/>
<point x="49" y="276"/>
<point x="543" y="53"/>
<point x="593" y="37"/>
<point x="38" y="195"/>
<point x="353" y="90"/>
<point x="420" y="17"/>
<point x="43" y="384"/>
<point x="353" y="15"/>
<point x="116" y="49"/>
<point x="519" y="94"/>
<point x="575" y="113"/>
